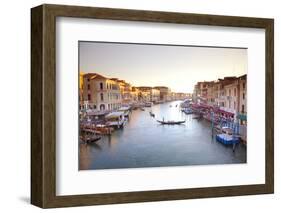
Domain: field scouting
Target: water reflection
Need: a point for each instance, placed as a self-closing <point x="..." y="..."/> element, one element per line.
<point x="143" y="142"/>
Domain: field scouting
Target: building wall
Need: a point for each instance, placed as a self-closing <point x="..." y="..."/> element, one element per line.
<point x="155" y="95"/>
<point x="101" y="93"/>
<point x="243" y="96"/>
<point x="165" y="93"/>
<point x="231" y="91"/>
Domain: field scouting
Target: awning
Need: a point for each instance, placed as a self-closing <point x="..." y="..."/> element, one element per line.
<point x="114" y="115"/>
<point x="225" y="112"/>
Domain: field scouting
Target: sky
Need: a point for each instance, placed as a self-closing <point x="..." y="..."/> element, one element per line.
<point x="177" y="67"/>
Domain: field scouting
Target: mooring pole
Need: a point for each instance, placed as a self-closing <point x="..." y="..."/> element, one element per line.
<point x="233" y="147"/>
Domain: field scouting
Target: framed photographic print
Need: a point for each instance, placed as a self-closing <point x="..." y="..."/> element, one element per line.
<point x="137" y="106"/>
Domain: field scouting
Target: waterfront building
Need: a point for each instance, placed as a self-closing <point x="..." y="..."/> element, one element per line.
<point x="127" y="94"/>
<point x="210" y="94"/>
<point x="242" y="110"/>
<point x="201" y="92"/>
<point x="243" y="94"/>
<point x="232" y="97"/>
<point x="220" y="92"/>
<point x="148" y="94"/>
<point x="81" y="74"/>
<point x="155" y="95"/>
<point x="101" y="93"/>
<point x="144" y="93"/>
<point x="195" y="93"/>
<point x="181" y="96"/>
<point x="165" y="93"/>
<point x="126" y="91"/>
<point x="135" y="94"/>
<point x="229" y="94"/>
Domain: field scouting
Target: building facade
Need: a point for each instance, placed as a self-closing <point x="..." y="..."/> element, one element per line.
<point x="101" y="93"/>
<point x="148" y="94"/>
<point x="165" y="93"/>
<point x="229" y="94"/>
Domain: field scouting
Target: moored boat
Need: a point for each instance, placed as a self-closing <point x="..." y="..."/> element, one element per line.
<point x="227" y="139"/>
<point x="187" y="111"/>
<point x="89" y="136"/>
<point x="148" y="104"/>
<point x="125" y="110"/>
<point x="115" y="119"/>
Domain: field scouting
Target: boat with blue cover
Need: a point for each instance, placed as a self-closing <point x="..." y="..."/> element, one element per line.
<point x="227" y="139"/>
<point x="187" y="111"/>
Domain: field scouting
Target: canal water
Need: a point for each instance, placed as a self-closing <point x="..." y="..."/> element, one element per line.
<point x="143" y="142"/>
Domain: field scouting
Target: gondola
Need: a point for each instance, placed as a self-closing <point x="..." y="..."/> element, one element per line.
<point x="171" y="122"/>
<point x="152" y="114"/>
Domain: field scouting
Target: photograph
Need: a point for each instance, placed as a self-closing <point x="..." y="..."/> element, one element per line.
<point x="160" y="105"/>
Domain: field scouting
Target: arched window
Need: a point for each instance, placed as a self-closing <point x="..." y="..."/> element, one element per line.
<point x="101" y="85"/>
<point x="102" y="107"/>
<point x="101" y="96"/>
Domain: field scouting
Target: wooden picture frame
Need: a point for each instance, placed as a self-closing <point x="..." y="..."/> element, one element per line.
<point x="43" y="105"/>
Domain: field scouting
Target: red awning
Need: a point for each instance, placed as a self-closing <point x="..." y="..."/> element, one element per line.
<point x="225" y="112"/>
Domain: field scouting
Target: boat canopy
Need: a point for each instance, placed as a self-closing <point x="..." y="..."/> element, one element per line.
<point x="114" y="115"/>
<point x="97" y="113"/>
<point x="124" y="108"/>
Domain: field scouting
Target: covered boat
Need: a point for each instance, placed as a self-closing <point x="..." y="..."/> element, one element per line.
<point x="227" y="139"/>
<point x="187" y="111"/>
<point x="126" y="110"/>
<point x="115" y="119"/>
<point x="148" y="104"/>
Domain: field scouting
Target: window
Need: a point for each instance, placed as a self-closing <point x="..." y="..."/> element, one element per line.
<point x="101" y="85"/>
<point x="95" y="107"/>
<point x="229" y="92"/>
<point x="89" y="97"/>
<point x="243" y="108"/>
<point x="89" y="86"/>
<point x="243" y="96"/>
<point x="102" y="107"/>
<point x="101" y="97"/>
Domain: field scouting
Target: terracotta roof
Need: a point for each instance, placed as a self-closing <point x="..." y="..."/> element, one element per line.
<point x="97" y="76"/>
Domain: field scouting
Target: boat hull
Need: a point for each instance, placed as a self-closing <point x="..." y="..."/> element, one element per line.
<point x="227" y="139"/>
<point x="171" y="122"/>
